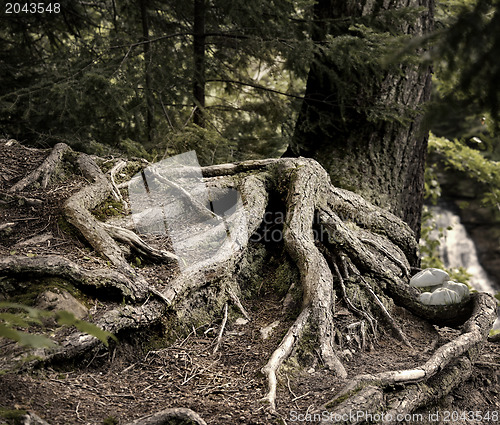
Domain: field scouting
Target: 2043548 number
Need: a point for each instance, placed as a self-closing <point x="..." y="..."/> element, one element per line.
<point x="32" y="8"/>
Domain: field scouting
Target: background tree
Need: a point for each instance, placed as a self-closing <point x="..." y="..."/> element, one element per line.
<point x="361" y="117"/>
<point x="143" y="60"/>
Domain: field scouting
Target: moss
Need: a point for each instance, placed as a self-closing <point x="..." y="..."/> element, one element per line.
<point x="31" y="289"/>
<point x="13" y="416"/>
<point x="67" y="228"/>
<point x="337" y="401"/>
<point x="263" y="273"/>
<point x="110" y="420"/>
<point x="109" y="208"/>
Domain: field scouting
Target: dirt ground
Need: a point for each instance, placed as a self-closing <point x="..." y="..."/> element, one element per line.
<point x="142" y="375"/>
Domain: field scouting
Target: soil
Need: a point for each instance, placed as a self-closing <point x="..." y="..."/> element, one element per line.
<point x="146" y="373"/>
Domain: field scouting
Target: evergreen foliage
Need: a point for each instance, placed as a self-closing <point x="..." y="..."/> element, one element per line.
<point x="458" y="156"/>
<point x="84" y="76"/>
<point x="468" y="43"/>
<point x="27" y="317"/>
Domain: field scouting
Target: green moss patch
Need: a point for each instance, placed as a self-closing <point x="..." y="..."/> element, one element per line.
<point x="12" y="416"/>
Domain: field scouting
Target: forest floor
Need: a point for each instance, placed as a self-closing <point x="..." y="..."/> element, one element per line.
<point x="145" y="374"/>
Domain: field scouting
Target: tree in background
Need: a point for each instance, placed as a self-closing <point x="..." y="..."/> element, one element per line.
<point x="340" y="266"/>
<point x="128" y="74"/>
<point x="361" y="117"/>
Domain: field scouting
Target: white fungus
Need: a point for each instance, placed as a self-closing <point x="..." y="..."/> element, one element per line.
<point x="444" y="291"/>
<point x="429" y="277"/>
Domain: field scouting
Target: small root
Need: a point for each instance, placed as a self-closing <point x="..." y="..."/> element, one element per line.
<point x="398" y="332"/>
<point x="120" y="165"/>
<point x="281" y="354"/>
<point x="133" y="240"/>
<point x="236" y="301"/>
<point x="45" y="170"/>
<point x="351" y="306"/>
<point x="221" y="331"/>
<point x="384" y="251"/>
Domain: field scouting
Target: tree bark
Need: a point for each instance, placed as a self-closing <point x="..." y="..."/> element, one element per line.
<point x="147" y="71"/>
<point x="383" y="160"/>
<point x="199" y="62"/>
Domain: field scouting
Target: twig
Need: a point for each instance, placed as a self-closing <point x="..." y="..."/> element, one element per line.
<point x="78" y="413"/>
<point x="301" y="396"/>
<point x="351" y="306"/>
<point x="290" y="389"/>
<point x="236" y="301"/>
<point x="116" y="192"/>
<point x="221" y="332"/>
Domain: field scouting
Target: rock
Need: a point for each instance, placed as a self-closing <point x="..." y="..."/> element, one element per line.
<point x="266" y="332"/>
<point x="59" y="299"/>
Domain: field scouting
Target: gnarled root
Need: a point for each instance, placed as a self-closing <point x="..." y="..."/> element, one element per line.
<point x="475" y="331"/>
<point x="45" y="171"/>
<point x="347" y="251"/>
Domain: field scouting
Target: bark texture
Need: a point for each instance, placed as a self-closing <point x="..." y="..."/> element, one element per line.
<point x="383" y="160"/>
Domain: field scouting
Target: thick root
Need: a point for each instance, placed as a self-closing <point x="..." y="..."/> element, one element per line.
<point x="109" y="282"/>
<point x="475" y="331"/>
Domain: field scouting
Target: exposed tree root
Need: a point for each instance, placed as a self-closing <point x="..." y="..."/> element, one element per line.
<point x="120" y="165"/>
<point x="130" y="238"/>
<point x="371" y="320"/>
<point x="281" y="354"/>
<point x="475" y="331"/>
<point x="221" y="331"/>
<point x="346" y="251"/>
<point x="45" y="171"/>
<point x="110" y="282"/>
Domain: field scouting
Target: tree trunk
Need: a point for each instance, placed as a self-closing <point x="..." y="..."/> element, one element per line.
<point x="383" y="160"/>
<point x="147" y="71"/>
<point x="199" y="62"/>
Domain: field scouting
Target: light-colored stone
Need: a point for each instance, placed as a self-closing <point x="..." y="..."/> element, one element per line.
<point x="59" y="299"/>
<point x="266" y="331"/>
